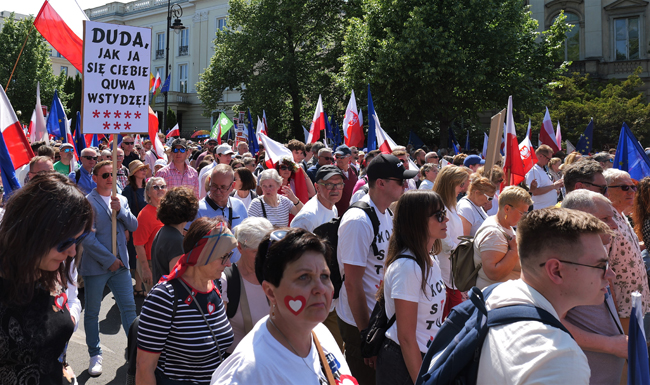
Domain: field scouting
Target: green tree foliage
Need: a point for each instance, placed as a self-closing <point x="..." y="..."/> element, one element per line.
<point x="431" y="63"/>
<point x="171" y="119"/>
<point x="280" y="55"/>
<point x="576" y="98"/>
<point x="34" y="66"/>
<point x="73" y="90"/>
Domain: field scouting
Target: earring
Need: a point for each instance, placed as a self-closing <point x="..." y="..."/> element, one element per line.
<point x="273" y="312"/>
<point x="506" y="217"/>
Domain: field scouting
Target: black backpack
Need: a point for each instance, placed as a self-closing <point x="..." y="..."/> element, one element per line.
<point x="234" y="289"/>
<point x="329" y="232"/>
<point x="457" y="346"/>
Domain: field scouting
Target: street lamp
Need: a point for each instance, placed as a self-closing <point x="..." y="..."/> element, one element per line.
<point x="177" y="12"/>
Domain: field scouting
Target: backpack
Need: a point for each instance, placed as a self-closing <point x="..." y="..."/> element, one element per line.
<point x="328" y="231"/>
<point x="463" y="270"/>
<point x="454" y="354"/>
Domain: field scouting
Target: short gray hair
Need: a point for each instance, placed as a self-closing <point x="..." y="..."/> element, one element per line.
<point x="270" y="174"/>
<point x="613" y="174"/>
<point x="149" y="185"/>
<point x="251" y="231"/>
<point x="583" y="200"/>
<point x="85" y="152"/>
<point x="323" y="150"/>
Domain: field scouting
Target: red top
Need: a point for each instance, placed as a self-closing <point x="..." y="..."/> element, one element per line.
<point x="148" y="226"/>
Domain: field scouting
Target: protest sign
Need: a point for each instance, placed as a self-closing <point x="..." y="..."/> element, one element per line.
<point x="494" y="140"/>
<point x="116" y="62"/>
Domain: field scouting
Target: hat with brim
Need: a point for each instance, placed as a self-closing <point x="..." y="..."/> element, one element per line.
<point x="136" y="166"/>
<point x="385" y="166"/>
<point x="66" y="145"/>
<point x="326" y="172"/>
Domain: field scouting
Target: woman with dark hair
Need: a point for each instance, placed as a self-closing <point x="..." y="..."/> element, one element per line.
<point x="641" y="211"/>
<point x="412" y="286"/>
<point x="245" y="186"/>
<point x="134" y="194"/>
<point x="295" y="177"/>
<point x="35" y="322"/>
<point x="177" y="207"/>
<point x="183" y="332"/>
<point x="289" y="346"/>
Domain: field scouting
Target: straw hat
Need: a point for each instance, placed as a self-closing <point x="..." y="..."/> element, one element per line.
<point x="135" y="166"/>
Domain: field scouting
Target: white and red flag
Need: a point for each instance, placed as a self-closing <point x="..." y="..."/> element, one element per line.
<point x="19" y="149"/>
<point x="60" y="22"/>
<point x="37" y="126"/>
<point x="158" y="147"/>
<point x="156" y="83"/>
<point x="266" y="126"/>
<point x="317" y="123"/>
<point x="385" y="143"/>
<point x="527" y="152"/>
<point x="274" y="151"/>
<point x="173" y="132"/>
<point x="352" y="125"/>
<point x="558" y="136"/>
<point x="547" y="134"/>
<point x="512" y="165"/>
<point x="259" y="129"/>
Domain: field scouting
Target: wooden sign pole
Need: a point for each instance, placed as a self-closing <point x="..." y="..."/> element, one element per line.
<point x="494" y="141"/>
<point x="113" y="212"/>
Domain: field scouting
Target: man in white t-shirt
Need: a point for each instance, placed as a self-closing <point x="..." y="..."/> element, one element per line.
<point x="544" y="190"/>
<point x="321" y="208"/>
<point x="361" y="256"/>
<point x="571" y="270"/>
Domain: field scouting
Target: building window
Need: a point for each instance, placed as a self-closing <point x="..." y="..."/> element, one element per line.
<point x="571" y="47"/>
<point x="160" y="46"/>
<point x="626" y="32"/>
<point x="182" y="78"/>
<point x="64" y="70"/>
<point x="183" y="47"/>
<point x="221" y="23"/>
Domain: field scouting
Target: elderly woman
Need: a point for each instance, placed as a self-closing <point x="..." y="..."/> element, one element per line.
<point x="428" y="174"/>
<point x="245" y="300"/>
<point x="43" y="223"/>
<point x="289" y="345"/>
<point x="470" y="207"/>
<point x="184" y="332"/>
<point x="276" y="208"/>
<point x="177" y="207"/>
<point x="295" y="177"/>
<point x="495" y="243"/>
<point x="148" y="226"/>
<point x="245" y="186"/>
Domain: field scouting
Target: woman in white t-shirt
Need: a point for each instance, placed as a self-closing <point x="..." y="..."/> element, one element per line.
<point x="470" y="209"/>
<point x="428" y="174"/>
<point x="245" y="186"/>
<point x="412" y="288"/>
<point x="451" y="181"/>
<point x="286" y="346"/>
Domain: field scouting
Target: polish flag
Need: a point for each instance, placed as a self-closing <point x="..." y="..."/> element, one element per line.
<point x="384" y="142"/>
<point x="527" y="152"/>
<point x="138" y="140"/>
<point x="61" y="24"/>
<point x="546" y="133"/>
<point x="173" y="132"/>
<point x="158" y="147"/>
<point x="352" y="125"/>
<point x="274" y="151"/>
<point x="317" y="123"/>
<point x="19" y="149"/>
<point x="259" y="129"/>
<point x="69" y="138"/>
<point x="156" y="83"/>
<point x="513" y="165"/>
<point x="37" y="126"/>
<point x="266" y="126"/>
<point x="558" y="136"/>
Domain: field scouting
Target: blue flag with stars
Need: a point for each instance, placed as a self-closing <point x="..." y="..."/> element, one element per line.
<point x="55" y="124"/>
<point x="252" y="136"/>
<point x="630" y="156"/>
<point x="586" y="139"/>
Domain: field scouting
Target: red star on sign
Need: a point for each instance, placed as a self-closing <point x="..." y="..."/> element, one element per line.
<point x="137" y="115"/>
<point x="95" y="114"/>
<point x="127" y="115"/>
<point x="127" y="126"/>
<point x="106" y="125"/>
<point x="117" y="114"/>
<point x="116" y="125"/>
<point x="107" y="114"/>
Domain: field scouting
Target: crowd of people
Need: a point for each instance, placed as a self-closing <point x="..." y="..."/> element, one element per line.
<point x="238" y="287"/>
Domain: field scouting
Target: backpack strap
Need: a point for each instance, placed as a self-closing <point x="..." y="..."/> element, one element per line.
<point x="234" y="289"/>
<point x="374" y="219"/>
<point x="516" y="313"/>
<point x="77" y="175"/>
<point x="261" y="199"/>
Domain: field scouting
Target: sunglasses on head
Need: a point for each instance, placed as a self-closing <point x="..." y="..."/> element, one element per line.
<point x="65" y="245"/>
<point x="440" y="215"/>
<point x="176" y="150"/>
<point x="67" y="149"/>
<point x="90" y="157"/>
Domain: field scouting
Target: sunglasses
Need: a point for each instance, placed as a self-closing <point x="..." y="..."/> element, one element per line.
<point x="90" y="157"/>
<point x="157" y="188"/>
<point x="106" y="175"/>
<point x="67" y="149"/>
<point x="489" y="198"/>
<point x="327" y="158"/>
<point x="440" y="215"/>
<point x="285" y="168"/>
<point x="65" y="245"/>
<point x="177" y="150"/>
<point x="603" y="188"/>
<point x="625" y="187"/>
<point x="128" y="143"/>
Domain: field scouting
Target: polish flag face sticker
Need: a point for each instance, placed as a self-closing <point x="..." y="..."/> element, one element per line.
<point x="211" y="308"/>
<point x="295" y="305"/>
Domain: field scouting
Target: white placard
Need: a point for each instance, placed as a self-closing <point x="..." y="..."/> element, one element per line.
<point x="115" y="79"/>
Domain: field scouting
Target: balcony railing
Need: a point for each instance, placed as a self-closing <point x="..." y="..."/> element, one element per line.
<point x="183" y="50"/>
<point x="160" y="54"/>
<point x="173" y="97"/>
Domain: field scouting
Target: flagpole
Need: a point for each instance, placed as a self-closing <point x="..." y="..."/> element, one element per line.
<point x="19" y="54"/>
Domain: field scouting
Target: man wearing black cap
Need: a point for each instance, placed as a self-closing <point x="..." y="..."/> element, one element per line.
<point x="343" y="156"/>
<point x="210" y="149"/>
<point x="321" y="208"/>
<point x="361" y="256"/>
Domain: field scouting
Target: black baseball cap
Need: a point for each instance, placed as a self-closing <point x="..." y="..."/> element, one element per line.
<point x="179" y="142"/>
<point x="386" y="166"/>
<point x="327" y="171"/>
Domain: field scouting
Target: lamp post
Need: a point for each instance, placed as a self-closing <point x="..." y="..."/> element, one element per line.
<point x="177" y="12"/>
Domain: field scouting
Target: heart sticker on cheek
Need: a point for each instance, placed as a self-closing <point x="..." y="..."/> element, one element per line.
<point x="60" y="300"/>
<point x="211" y="308"/>
<point x="295" y="305"/>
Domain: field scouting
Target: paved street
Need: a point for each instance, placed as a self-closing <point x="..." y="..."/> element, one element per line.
<point x="113" y="342"/>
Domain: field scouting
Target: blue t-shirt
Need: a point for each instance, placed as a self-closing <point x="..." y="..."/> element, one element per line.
<point x="86" y="182"/>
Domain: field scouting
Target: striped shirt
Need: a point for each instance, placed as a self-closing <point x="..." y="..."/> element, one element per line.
<point x="187" y="349"/>
<point x="279" y="216"/>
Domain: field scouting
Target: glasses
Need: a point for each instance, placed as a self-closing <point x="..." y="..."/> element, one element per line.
<point x="625" y="187"/>
<point x="176" y="150"/>
<point x="163" y="187"/>
<point x="611" y="160"/>
<point x="65" y="245"/>
<point x="67" y="149"/>
<point x="285" y="168"/>
<point x="333" y="186"/>
<point x="128" y="143"/>
<point x="523" y="213"/>
<point x="342" y="156"/>
<point x="226" y="257"/>
<point x="90" y="157"/>
<point x="440" y="215"/>
<point x="603" y="268"/>
<point x="220" y="188"/>
<point x="106" y="175"/>
<point x="603" y="188"/>
<point x="327" y="158"/>
<point x="489" y="198"/>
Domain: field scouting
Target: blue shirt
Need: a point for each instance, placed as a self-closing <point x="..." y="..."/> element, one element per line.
<point x="86" y="182"/>
<point x="238" y="208"/>
<point x="311" y="172"/>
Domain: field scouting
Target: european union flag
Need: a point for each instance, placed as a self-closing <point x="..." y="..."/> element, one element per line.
<point x="252" y="136"/>
<point x="165" y="87"/>
<point x="7" y="171"/>
<point x="415" y="140"/>
<point x="586" y="139"/>
<point x="372" y="134"/>
<point x="56" y="119"/>
<point x="638" y="371"/>
<point x="337" y="134"/>
<point x="630" y="156"/>
<point x="79" y="141"/>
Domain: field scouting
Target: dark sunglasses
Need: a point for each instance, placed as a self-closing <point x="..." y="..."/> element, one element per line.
<point x="67" y="149"/>
<point x="128" y="143"/>
<point x="624" y="187"/>
<point x="327" y="158"/>
<point x="177" y="150"/>
<point x="106" y="175"/>
<point x="90" y="157"/>
<point x="163" y="187"/>
<point x="285" y="168"/>
<point x="603" y="188"/>
<point x="440" y="215"/>
<point x="69" y="242"/>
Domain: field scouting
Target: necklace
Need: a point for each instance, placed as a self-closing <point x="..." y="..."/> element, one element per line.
<point x="322" y="380"/>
